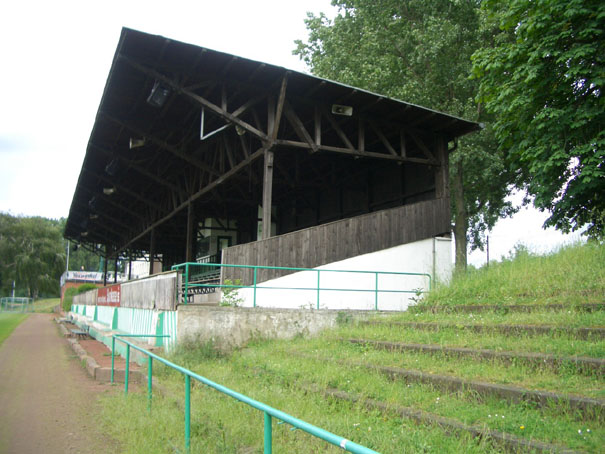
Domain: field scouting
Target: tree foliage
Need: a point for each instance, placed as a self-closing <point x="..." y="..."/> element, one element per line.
<point x="31" y="254"/>
<point x="543" y="77"/>
<point x="419" y="51"/>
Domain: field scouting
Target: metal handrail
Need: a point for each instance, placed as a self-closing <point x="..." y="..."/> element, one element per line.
<point x="187" y="285"/>
<point x="269" y="412"/>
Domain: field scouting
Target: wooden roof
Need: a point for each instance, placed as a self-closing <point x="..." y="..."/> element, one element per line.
<point x="145" y="164"/>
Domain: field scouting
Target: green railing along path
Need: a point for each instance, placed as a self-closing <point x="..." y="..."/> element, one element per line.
<point x="186" y="269"/>
<point x="268" y="412"/>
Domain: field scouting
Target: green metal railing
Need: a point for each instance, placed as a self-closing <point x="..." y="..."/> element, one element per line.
<point x="268" y="412"/>
<point x="186" y="268"/>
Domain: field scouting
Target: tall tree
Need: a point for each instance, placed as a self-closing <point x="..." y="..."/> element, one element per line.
<point x="419" y="51"/>
<point x="543" y="77"/>
<point x="31" y="254"/>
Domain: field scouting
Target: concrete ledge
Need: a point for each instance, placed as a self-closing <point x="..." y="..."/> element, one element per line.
<point x="507" y="330"/>
<point x="582" y="307"/>
<point x="232" y="327"/>
<point x="102" y="374"/>
<point x="510" y="442"/>
<point x="538" y="360"/>
<point x="591" y="408"/>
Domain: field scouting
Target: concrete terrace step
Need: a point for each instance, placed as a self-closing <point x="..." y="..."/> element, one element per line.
<point x="470" y="308"/>
<point x="507" y="330"/>
<point x="591" y="408"/>
<point x="509" y="442"/>
<point x="582" y="364"/>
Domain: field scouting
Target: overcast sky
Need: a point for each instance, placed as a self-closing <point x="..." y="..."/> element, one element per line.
<point x="55" y="58"/>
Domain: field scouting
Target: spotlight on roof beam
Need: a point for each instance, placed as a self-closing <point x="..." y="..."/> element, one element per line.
<point x="93" y="216"/>
<point x="159" y="94"/>
<point x="136" y="143"/>
<point x="239" y="130"/>
<point x="112" y="167"/>
<point x="337" y="109"/>
<point x="109" y="191"/>
<point x="84" y="234"/>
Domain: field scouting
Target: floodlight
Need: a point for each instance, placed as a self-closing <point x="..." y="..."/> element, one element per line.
<point x="109" y="190"/>
<point x="159" y="94"/>
<point x="136" y="143"/>
<point x="337" y="109"/>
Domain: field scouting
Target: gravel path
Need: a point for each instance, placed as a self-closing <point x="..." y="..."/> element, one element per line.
<point x="48" y="403"/>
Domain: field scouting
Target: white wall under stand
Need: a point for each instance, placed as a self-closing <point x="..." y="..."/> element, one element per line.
<point x="431" y="256"/>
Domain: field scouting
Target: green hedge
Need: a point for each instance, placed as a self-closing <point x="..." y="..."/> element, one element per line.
<point x="68" y="298"/>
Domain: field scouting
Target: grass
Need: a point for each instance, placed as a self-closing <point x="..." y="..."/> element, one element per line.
<point x="8" y="322"/>
<point x="291" y="375"/>
<point x="574" y="274"/>
<point x="46" y="305"/>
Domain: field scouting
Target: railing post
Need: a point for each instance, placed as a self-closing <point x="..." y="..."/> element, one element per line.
<point x="113" y="349"/>
<point x="149" y="380"/>
<point x="186" y="283"/>
<point x="268" y="438"/>
<point x="376" y="294"/>
<point x="187" y="413"/>
<point x="254" y="301"/>
<point x="126" y="369"/>
<point x="318" y="273"/>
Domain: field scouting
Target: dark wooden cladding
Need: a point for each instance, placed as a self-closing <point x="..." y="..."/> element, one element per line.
<point x="339" y="240"/>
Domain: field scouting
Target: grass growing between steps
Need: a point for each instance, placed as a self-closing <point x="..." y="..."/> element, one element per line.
<point x="565" y="380"/>
<point x="296" y="376"/>
<point x="565" y="318"/>
<point x="556" y="344"/>
<point x="574" y="274"/>
<point x="222" y="425"/>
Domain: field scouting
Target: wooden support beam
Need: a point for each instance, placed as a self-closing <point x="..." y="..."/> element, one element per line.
<point x="383" y="138"/>
<point x="402" y="143"/>
<point x="196" y="98"/>
<point x="267" y="193"/>
<point x="317" y="124"/>
<point x="299" y="127"/>
<point x="361" y="134"/>
<point x="161" y="144"/>
<point x="442" y="187"/>
<point x="209" y="187"/>
<point x="338" y="130"/>
<point x="191" y="234"/>
<point x="280" y="107"/>
<point x="137" y="168"/>
<point x="416" y="138"/>
<point x="357" y="153"/>
<point x="152" y="245"/>
<point x="123" y="189"/>
<point x="105" y="266"/>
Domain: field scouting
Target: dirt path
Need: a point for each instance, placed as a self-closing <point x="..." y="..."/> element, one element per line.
<point x="48" y="403"/>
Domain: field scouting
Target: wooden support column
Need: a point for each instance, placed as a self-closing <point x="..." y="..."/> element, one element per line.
<point x="267" y="193"/>
<point x="191" y="234"/>
<point x="151" y="251"/>
<point x="442" y="185"/>
<point x="105" y="268"/>
<point x="115" y="270"/>
<point x="130" y="268"/>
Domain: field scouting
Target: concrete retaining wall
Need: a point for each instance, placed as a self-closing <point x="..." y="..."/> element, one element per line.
<point x="228" y="327"/>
